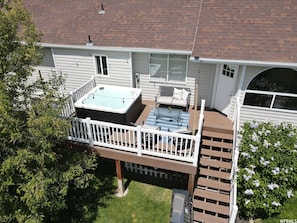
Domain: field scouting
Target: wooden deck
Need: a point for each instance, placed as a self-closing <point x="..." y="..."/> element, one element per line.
<point x="212" y="118"/>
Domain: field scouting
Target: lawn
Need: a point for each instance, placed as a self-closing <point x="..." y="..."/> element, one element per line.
<point x="143" y="203"/>
<point x="147" y="201"/>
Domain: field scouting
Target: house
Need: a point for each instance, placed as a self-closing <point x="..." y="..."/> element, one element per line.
<point x="237" y="55"/>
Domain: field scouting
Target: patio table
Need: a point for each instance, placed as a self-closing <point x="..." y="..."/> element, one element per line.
<point x="168" y="112"/>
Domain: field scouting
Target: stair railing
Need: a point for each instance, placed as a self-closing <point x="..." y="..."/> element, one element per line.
<point x="199" y="132"/>
<point x="235" y="153"/>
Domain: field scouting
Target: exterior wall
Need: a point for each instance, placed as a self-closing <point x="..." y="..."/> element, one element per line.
<point x="79" y="66"/>
<point x="46" y="67"/>
<point x="151" y="88"/>
<point x="250" y="113"/>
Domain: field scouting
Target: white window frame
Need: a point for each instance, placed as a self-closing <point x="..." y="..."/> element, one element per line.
<point x="153" y="66"/>
<point x="100" y="56"/>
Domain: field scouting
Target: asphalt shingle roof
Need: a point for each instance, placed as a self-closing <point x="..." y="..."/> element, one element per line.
<point x="264" y="30"/>
<point x="159" y="24"/>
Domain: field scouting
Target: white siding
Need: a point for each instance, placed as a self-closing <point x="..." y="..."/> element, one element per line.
<point x="248" y="113"/>
<point x="151" y="88"/>
<point x="79" y="66"/>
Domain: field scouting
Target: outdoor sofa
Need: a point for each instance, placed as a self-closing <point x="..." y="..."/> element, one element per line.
<point x="173" y="96"/>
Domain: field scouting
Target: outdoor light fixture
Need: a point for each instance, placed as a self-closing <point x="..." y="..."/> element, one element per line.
<point x="102" y="11"/>
<point x="90" y="42"/>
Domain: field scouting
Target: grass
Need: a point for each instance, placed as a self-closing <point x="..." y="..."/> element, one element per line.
<point x="146" y="201"/>
<point x="143" y="203"/>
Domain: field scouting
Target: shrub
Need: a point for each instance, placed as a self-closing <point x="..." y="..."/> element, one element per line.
<point x="267" y="164"/>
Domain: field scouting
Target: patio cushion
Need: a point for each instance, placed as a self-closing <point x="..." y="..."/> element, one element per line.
<point x="166" y="100"/>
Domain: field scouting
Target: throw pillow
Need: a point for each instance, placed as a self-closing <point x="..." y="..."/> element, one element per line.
<point x="185" y="94"/>
<point x="177" y="94"/>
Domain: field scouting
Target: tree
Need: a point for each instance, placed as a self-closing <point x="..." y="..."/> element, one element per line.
<point x="37" y="168"/>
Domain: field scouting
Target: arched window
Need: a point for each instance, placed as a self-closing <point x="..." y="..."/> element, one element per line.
<point x="273" y="88"/>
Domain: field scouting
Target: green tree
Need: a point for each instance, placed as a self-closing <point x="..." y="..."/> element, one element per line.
<point x="37" y="168"/>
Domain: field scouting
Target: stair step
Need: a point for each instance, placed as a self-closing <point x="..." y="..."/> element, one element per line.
<point x="217" y="144"/>
<point x="207" y="206"/>
<point x="206" y="161"/>
<point x="214" y="173"/>
<point x="215" y="153"/>
<point x="218" y="130"/>
<point x="220" y="135"/>
<point x="212" y="195"/>
<point x="207" y="218"/>
<point x="213" y="184"/>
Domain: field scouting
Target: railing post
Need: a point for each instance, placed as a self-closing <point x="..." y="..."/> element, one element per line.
<point x="138" y="139"/>
<point x="90" y="137"/>
<point x="196" y="150"/>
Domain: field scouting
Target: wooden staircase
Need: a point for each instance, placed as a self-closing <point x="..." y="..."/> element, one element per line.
<point x="212" y="192"/>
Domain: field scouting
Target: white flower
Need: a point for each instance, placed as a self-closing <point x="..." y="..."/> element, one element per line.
<point x="254" y="125"/>
<point x="250" y="172"/>
<point x="272" y="158"/>
<point x="290" y="194"/>
<point x="295" y="146"/>
<point x="247" y="177"/>
<point x="275" y="170"/>
<point x="245" y="155"/>
<point x="262" y="161"/>
<point x="266" y="144"/>
<point x="277" y="144"/>
<point x="266" y="205"/>
<point x="254" y="137"/>
<point x="252" y="166"/>
<point x="272" y="186"/>
<point x="267" y="132"/>
<point x="247" y="201"/>
<point x="254" y="148"/>
<point x="274" y="203"/>
<point x="291" y="134"/>
<point x="286" y="170"/>
<point x="249" y="192"/>
<point x="256" y="183"/>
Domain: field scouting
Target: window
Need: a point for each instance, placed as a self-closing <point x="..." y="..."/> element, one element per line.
<point x="168" y="67"/>
<point x="101" y="65"/>
<point x="273" y="88"/>
<point x="228" y="71"/>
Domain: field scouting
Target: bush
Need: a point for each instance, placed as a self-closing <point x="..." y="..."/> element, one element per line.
<point x="267" y="172"/>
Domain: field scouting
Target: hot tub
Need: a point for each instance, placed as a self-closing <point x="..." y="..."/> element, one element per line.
<point x="110" y="103"/>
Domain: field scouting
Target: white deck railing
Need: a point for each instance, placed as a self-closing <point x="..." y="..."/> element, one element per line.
<point x="69" y="109"/>
<point x="235" y="153"/>
<point x="136" y="139"/>
<point x="83" y="90"/>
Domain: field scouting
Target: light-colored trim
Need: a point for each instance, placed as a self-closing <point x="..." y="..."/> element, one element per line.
<point x="96" y="65"/>
<point x="243" y="62"/>
<point x="54" y="59"/>
<point x="119" y="49"/>
<point x="218" y="68"/>
<point x="131" y="71"/>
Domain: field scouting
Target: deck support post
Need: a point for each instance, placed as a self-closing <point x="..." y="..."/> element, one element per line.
<point x="121" y="189"/>
<point x="191" y="182"/>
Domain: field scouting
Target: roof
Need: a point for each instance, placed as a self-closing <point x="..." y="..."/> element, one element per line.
<point x="158" y="24"/>
<point x="219" y="29"/>
<point x="254" y="30"/>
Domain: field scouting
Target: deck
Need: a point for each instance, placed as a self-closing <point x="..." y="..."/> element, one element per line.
<point x="122" y="142"/>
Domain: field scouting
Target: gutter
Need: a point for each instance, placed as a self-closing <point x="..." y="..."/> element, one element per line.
<point x="242" y="62"/>
<point x="118" y="49"/>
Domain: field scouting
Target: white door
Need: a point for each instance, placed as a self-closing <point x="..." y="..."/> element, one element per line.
<point x="225" y="88"/>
